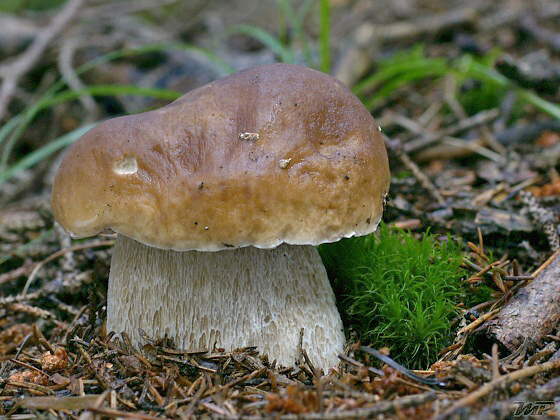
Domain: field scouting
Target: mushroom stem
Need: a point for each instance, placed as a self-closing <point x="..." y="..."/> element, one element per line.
<point x="231" y="298"/>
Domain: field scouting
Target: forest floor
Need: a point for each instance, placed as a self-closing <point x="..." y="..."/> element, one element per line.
<point x="467" y="94"/>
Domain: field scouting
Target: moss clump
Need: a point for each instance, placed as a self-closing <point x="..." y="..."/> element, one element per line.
<point x="397" y="291"/>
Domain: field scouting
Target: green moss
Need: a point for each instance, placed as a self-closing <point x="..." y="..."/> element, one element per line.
<point x="397" y="291"/>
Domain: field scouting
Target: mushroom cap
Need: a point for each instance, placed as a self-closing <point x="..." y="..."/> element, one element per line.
<point x="269" y="155"/>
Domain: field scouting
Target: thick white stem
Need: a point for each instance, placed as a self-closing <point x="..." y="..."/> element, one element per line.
<point x="231" y="298"/>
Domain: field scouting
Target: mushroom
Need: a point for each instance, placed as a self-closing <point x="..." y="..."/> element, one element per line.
<point x="219" y="200"/>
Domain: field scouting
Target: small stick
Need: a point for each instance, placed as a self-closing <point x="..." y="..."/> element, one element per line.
<point x="30" y="385"/>
<point x="272" y="379"/>
<point x="495" y="362"/>
<point x="478" y="321"/>
<point x="545" y="264"/>
<point x="299" y="361"/>
<point x="213" y="407"/>
<point x="14" y="274"/>
<point x="422" y="179"/>
<point x="20" y="349"/>
<point x="244" y="378"/>
<point x="498" y="383"/>
<point x="480" y="118"/>
<point x="319" y="389"/>
<point x="192" y="405"/>
<point x="97" y="403"/>
<point x="65" y="57"/>
<point x="14" y="71"/>
<point x="58" y="254"/>
<point x="31" y="310"/>
<point x="308" y="361"/>
<point x="485" y="269"/>
<point x="355" y="363"/>
<point x="110" y="413"/>
<point x="28" y="366"/>
<point x="40" y="338"/>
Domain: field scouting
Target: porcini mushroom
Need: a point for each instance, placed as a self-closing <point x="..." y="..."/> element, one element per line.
<point x="219" y="200"/>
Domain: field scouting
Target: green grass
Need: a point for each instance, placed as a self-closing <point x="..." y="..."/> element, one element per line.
<point x="291" y="44"/>
<point x="324" y="25"/>
<point x="411" y="66"/>
<point x="287" y="47"/>
<point x="397" y="291"/>
<point x="274" y="44"/>
<point x="13" y="129"/>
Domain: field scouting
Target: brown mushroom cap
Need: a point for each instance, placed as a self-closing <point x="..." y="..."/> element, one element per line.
<point x="273" y="154"/>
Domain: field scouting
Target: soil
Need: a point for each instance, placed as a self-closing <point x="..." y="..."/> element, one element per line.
<point x="470" y="159"/>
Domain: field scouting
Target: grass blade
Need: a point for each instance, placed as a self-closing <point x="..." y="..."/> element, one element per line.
<point x="296" y="18"/>
<point x="471" y="68"/>
<point x="25" y="118"/>
<point x="112" y="90"/>
<point x="42" y="153"/>
<point x="268" y="40"/>
<point x="9" y="127"/>
<point x="324" y="50"/>
<point x="96" y="90"/>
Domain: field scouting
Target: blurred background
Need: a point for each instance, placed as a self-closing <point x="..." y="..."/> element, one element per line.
<point x="465" y="91"/>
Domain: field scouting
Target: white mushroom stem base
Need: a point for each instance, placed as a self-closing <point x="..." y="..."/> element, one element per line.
<point x="231" y="298"/>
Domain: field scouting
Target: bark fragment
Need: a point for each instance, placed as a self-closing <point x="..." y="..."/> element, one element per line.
<point x="531" y="314"/>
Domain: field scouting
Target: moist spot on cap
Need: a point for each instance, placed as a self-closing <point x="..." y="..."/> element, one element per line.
<point x="126" y="165"/>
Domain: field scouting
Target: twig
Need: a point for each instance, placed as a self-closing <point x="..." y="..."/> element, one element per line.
<point x="31" y="310"/>
<point x="299" y="361"/>
<point x="125" y="7"/>
<point x="354" y="362"/>
<point x="450" y="87"/>
<point x="366" y="412"/>
<point x="213" y="407"/>
<point x="539" y="32"/>
<point x="480" y="118"/>
<point x="488" y="387"/>
<point x="356" y="60"/>
<point x="244" y="378"/>
<point x="97" y="403"/>
<point x="546" y="263"/>
<point x="475" y="147"/>
<point x="41" y="340"/>
<point x="478" y="321"/>
<point x="65" y="58"/>
<point x="110" y="413"/>
<point x="495" y="362"/>
<point x="422" y="179"/>
<point x="20" y="348"/>
<point x="192" y="404"/>
<point x="14" y="274"/>
<point x="404" y="371"/>
<point x="308" y="361"/>
<point x="32" y="386"/>
<point x="58" y="254"/>
<point x="13" y="72"/>
<point x="28" y="366"/>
